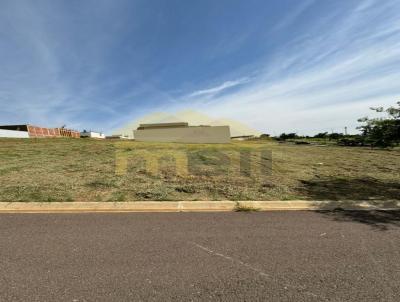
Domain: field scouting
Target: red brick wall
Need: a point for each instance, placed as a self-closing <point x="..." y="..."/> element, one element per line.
<point x="51" y="132"/>
<point x="68" y="133"/>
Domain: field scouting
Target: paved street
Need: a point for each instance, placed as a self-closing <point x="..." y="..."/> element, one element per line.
<point x="275" y="256"/>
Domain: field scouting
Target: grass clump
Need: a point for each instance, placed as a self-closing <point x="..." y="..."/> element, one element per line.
<point x="101" y="184"/>
<point x="190" y="189"/>
<point x="118" y="196"/>
<point x="239" y="207"/>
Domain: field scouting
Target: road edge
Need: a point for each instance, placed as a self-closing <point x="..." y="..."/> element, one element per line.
<point x="193" y="206"/>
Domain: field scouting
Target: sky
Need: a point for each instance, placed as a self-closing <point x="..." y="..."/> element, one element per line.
<point x="304" y="66"/>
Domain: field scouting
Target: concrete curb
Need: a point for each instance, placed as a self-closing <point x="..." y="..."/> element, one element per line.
<point x="191" y="206"/>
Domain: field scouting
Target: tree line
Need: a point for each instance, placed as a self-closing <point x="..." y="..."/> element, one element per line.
<point x="382" y="132"/>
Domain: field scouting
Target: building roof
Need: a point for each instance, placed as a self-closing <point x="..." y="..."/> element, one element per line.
<point x="163" y="125"/>
<point x="23" y="127"/>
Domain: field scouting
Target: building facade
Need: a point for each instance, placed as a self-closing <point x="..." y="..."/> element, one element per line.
<point x="182" y="133"/>
<point x="34" y="131"/>
<point x="92" y="134"/>
<point x="13" y="134"/>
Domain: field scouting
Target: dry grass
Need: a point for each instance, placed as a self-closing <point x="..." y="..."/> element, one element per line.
<point x="78" y="170"/>
<point x="239" y="207"/>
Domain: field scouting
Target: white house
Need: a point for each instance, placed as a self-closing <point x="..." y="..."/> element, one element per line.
<point x="91" y="134"/>
<point x="13" y="133"/>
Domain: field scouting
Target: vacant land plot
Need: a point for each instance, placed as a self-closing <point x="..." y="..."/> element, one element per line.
<point x="90" y="170"/>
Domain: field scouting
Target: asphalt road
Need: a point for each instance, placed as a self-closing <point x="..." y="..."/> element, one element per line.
<point x="274" y="256"/>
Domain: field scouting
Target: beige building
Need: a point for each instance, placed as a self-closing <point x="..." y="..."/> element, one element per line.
<point x="182" y="133"/>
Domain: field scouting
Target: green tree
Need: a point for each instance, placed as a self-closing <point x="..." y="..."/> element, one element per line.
<point x="285" y="136"/>
<point x="321" y="135"/>
<point x="335" y="136"/>
<point x="264" y="136"/>
<point x="383" y="131"/>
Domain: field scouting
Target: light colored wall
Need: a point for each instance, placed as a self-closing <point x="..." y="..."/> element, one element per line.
<point x="14" y="134"/>
<point x="210" y="135"/>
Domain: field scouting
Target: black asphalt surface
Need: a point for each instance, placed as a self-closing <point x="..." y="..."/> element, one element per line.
<point x="269" y="256"/>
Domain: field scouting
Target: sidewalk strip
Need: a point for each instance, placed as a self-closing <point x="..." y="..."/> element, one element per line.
<point x="191" y="206"/>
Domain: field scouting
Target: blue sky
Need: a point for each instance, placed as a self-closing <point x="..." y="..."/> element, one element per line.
<point x="282" y="65"/>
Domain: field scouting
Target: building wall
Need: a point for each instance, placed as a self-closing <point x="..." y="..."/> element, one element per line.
<point x="42" y="132"/>
<point x="93" y="135"/>
<point x="68" y="133"/>
<point x="51" y="132"/>
<point x="13" y="133"/>
<point x="200" y="134"/>
<point x="34" y="131"/>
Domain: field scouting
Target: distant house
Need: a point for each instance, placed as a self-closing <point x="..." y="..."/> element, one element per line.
<point x="117" y="136"/>
<point x="40" y="132"/>
<point x="182" y="133"/>
<point x="92" y="134"/>
<point x="242" y="137"/>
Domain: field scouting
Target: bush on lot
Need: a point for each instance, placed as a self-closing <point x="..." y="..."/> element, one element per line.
<point x="383" y="131"/>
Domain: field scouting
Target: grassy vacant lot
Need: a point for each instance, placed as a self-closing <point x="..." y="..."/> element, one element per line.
<point x="90" y="170"/>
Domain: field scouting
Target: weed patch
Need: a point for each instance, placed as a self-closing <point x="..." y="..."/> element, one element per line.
<point x="239" y="207"/>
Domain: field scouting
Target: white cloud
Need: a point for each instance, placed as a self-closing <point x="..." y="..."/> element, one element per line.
<point x="343" y="63"/>
<point x="293" y="14"/>
<point x="49" y="71"/>
<point x="324" y="80"/>
<point x="218" y="89"/>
